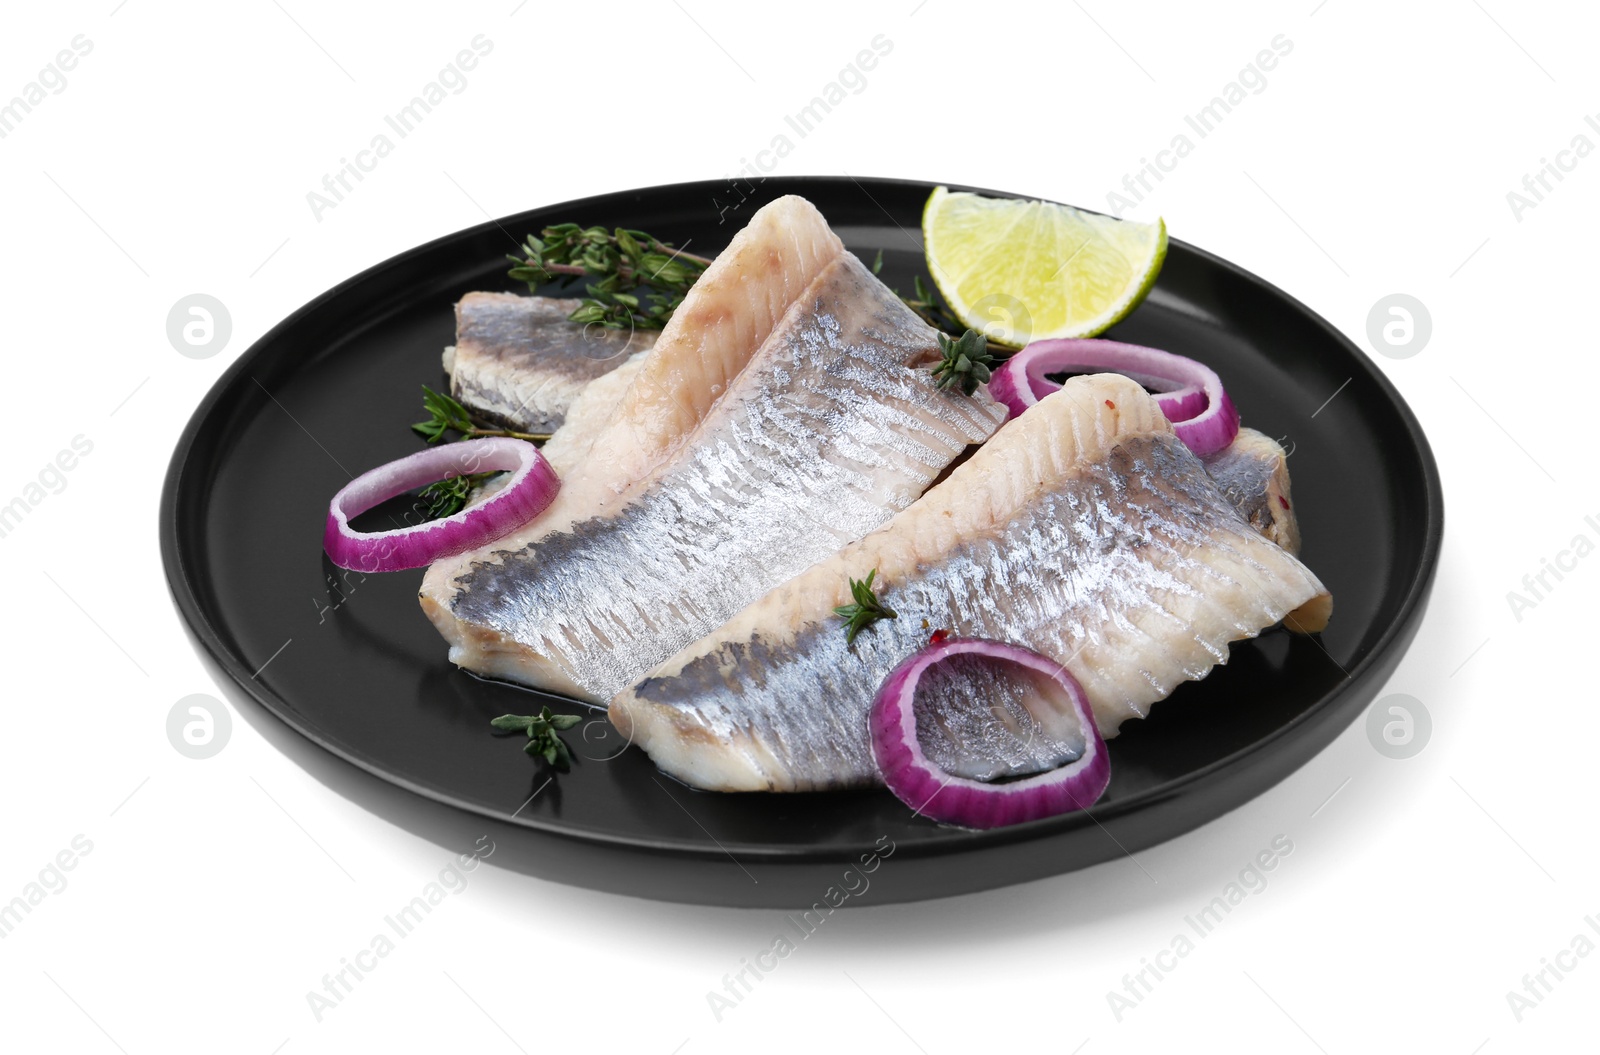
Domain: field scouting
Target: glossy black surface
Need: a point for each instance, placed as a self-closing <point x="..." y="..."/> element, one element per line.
<point x="364" y="678"/>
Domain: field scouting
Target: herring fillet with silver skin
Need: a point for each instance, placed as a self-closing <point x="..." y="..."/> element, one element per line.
<point x="1085" y="530"/>
<point x="519" y="361"/>
<point x="834" y="424"/>
<point x="630" y="423"/>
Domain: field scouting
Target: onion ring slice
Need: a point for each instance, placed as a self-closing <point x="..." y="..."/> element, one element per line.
<point x="531" y="488"/>
<point x="943" y="796"/>
<point x="1189" y="393"/>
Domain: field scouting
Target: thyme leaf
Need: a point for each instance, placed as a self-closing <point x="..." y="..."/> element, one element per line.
<point x="964" y="362"/>
<point x="866" y="609"/>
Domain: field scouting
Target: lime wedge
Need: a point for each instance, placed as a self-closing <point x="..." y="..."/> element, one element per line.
<point x="1020" y="271"/>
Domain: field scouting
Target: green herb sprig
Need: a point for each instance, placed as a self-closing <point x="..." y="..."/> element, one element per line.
<point x="448" y="497"/>
<point x="445" y="416"/>
<point x="543" y="731"/>
<point x="964" y="363"/>
<point x="623" y="262"/>
<point x="866" y="610"/>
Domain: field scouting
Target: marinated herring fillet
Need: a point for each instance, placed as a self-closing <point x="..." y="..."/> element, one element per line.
<point x="821" y="433"/>
<point x="519" y="361"/>
<point x="1084" y="530"/>
<point x="659" y="399"/>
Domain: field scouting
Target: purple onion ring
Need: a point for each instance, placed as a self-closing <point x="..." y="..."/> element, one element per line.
<point x="1189" y="393"/>
<point x="932" y="792"/>
<point x="531" y="488"/>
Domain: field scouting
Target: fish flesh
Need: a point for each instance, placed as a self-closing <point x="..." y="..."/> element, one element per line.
<point x="1253" y="473"/>
<point x="1084" y="530"/>
<point x="595" y="407"/>
<point x="792" y="419"/>
<point x="519" y="361"/>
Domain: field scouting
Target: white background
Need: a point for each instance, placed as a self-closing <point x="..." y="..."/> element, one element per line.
<point x="1377" y="160"/>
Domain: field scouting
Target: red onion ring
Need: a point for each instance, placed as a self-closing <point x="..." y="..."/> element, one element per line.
<point x="1189" y="393"/>
<point x="531" y="488"/>
<point x="922" y="785"/>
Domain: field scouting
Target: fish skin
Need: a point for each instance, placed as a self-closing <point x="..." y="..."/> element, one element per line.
<point x="722" y="322"/>
<point x="520" y="361"/>
<point x="1253" y="473"/>
<point x="1088" y="533"/>
<point x="835" y="424"/>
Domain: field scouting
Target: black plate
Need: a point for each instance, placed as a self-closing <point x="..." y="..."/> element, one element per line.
<point x="334" y="386"/>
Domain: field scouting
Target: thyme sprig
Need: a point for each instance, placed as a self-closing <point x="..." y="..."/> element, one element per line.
<point x="543" y="731"/>
<point x="624" y="262"/>
<point x="448" y="497"/>
<point x="964" y="363"/>
<point x="866" y="609"/>
<point x="445" y="415"/>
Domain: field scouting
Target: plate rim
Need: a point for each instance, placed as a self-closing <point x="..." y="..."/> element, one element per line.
<point x="1401" y="626"/>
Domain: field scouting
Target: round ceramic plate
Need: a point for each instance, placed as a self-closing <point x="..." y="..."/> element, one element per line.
<point x="347" y="676"/>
